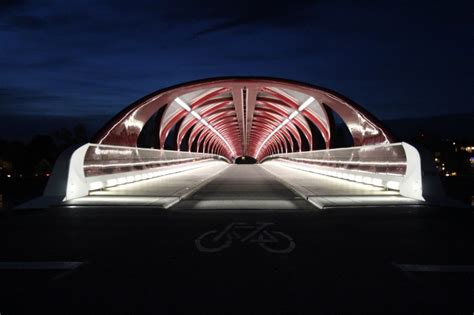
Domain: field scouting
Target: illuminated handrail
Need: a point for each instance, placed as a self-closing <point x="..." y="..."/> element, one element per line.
<point x="394" y="166"/>
<point x="389" y="158"/>
<point x="109" y="159"/>
<point x="93" y="166"/>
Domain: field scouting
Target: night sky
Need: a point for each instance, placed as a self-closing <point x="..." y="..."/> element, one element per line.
<point x="86" y="60"/>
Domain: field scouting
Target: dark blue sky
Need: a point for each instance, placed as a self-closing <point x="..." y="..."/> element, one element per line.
<point x="92" y="58"/>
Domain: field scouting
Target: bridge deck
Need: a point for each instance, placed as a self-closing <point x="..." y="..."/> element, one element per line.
<point x="329" y="192"/>
<point x="244" y="187"/>
<point x="262" y="187"/>
<point x="160" y="192"/>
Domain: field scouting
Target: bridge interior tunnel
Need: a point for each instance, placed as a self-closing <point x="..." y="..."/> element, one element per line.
<point x="243" y="117"/>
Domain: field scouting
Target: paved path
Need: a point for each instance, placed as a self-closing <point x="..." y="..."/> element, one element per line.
<point x="270" y="186"/>
<point x="109" y="260"/>
<point x="244" y="187"/>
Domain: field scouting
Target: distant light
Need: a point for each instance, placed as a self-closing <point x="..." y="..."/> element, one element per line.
<point x="47" y="174"/>
<point x="454" y="143"/>
<point x="454" y="174"/>
<point x="9" y="176"/>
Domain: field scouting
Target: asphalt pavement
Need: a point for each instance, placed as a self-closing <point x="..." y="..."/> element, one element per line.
<point x="107" y="260"/>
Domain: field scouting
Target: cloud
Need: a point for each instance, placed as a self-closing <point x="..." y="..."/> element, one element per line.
<point x="24" y="95"/>
<point x="24" y="101"/>
<point x="226" y="15"/>
<point x="221" y="15"/>
<point x="23" y="127"/>
<point x="99" y="55"/>
<point x="20" y="14"/>
<point x="220" y="27"/>
<point x="29" y="101"/>
<point x="6" y="5"/>
<point x="28" y="22"/>
<point x="197" y="17"/>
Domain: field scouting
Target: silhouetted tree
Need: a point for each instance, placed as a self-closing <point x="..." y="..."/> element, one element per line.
<point x="42" y="154"/>
<point x="43" y="167"/>
<point x="66" y="138"/>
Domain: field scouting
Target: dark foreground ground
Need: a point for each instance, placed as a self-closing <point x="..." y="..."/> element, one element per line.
<point x="148" y="261"/>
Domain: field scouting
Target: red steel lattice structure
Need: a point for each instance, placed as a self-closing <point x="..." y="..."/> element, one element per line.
<point x="243" y="116"/>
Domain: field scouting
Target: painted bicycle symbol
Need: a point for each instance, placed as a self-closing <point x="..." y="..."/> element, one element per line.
<point x="272" y="241"/>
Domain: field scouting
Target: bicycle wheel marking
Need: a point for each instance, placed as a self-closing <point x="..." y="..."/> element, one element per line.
<point x="275" y="242"/>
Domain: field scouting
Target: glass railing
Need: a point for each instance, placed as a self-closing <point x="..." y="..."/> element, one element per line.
<point x="387" y="159"/>
<point x="107" y="159"/>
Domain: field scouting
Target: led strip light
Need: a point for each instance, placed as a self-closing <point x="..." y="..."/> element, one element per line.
<point x="370" y="163"/>
<point x="204" y="122"/>
<point x="284" y="122"/>
<point x="369" y="178"/>
<point x="131" y="164"/>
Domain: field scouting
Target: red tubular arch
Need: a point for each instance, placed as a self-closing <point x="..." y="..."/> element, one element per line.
<point x="273" y="97"/>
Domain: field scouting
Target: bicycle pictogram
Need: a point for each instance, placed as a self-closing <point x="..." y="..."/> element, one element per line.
<point x="261" y="233"/>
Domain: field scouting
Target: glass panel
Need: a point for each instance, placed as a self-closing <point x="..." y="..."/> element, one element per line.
<point x="105" y="159"/>
<point x="388" y="159"/>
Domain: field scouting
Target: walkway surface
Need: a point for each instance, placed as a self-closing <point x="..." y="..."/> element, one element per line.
<point x="329" y="192"/>
<point x="245" y="187"/>
<point x="159" y="192"/>
<point x="270" y="186"/>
